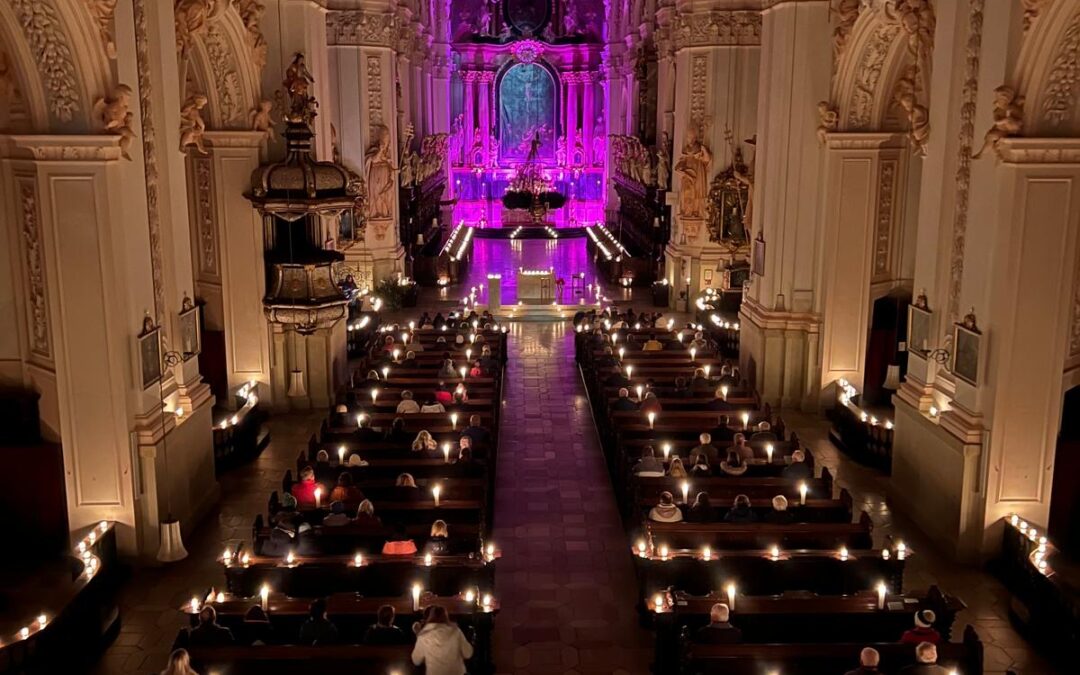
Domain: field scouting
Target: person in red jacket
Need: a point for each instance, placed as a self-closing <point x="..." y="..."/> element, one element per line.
<point x="304" y="489"/>
<point x="924" y="629"/>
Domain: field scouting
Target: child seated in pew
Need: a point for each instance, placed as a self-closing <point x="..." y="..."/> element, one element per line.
<point x="719" y="631"/>
<point x="740" y="511"/>
<point x="666" y="511"/>
<point x="438" y="542"/>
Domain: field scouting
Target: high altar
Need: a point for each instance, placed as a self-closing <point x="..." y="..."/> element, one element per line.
<point x="526" y="68"/>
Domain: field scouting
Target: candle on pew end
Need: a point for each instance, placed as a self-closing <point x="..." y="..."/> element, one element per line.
<point x="290" y="559"/>
<point x="881" y="590"/>
<point x="385" y="372"/>
<point x="730" y="596"/>
<point x="245" y="559"/>
<point x="428" y="559"/>
<point x="629" y="371"/>
<point x="658" y="603"/>
<point x="264" y="597"/>
<point x="396" y="354"/>
<point x="435" y="492"/>
<point x="453" y="421"/>
<point x="358" y="560"/>
<point x="463" y="371"/>
<point x="639" y="389"/>
<point x="227" y="556"/>
<point x="843" y="553"/>
<point x="723" y="391"/>
<point x="802" y="493"/>
<point x="487" y="602"/>
<point x="884" y="554"/>
<point x="446" y="452"/>
<point x="745" y="421"/>
<point x="318" y="497"/>
<point x="774" y="552"/>
<point x="193" y="607"/>
<point x="901" y="550"/>
<point x="706" y="553"/>
<point x="663" y="551"/>
<point x="641" y="547"/>
<point x="667" y="451"/>
<point x="416" y="597"/>
<point x="614" y="338"/>
<point x="489" y="551"/>
<point x="24" y="633"/>
<point x="341" y="454"/>
<point x="220" y="597"/>
<point x="693" y="353"/>
<point x="769" y="452"/>
<point x="652" y="419"/>
<point x="374" y="394"/>
<point x="707" y="369"/>
<point x="470" y="595"/>
<point x="685" y="492"/>
<point x="359" y="421"/>
<point x="42" y="620"/>
<point x="622" y="352"/>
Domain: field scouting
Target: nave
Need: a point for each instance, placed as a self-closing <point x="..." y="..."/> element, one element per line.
<point x="565" y="583"/>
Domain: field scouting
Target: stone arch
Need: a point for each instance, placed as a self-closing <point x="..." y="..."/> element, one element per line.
<point x="875" y="58"/>
<point x="226" y="64"/>
<point x="1047" y="72"/>
<point x="57" y="55"/>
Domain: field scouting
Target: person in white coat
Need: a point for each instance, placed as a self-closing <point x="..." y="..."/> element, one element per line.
<point x="440" y="645"/>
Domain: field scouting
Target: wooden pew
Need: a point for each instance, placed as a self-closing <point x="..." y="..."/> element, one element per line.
<point x="814" y="511"/>
<point x="722" y="536"/>
<point x="350" y="539"/>
<point x="647" y="489"/>
<point x="297" y="660"/>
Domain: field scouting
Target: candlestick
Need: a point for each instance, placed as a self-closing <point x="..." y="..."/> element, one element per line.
<point x="629" y="371"/>
<point x="745" y="421"/>
<point x="622" y="352"/>
<point x="385" y="372"/>
<point x="374" y="394"/>
<point x="264" y="596"/>
<point x="769" y="452"/>
<point x="685" y="492"/>
<point x="730" y="596"/>
<point x="427" y="559"/>
<point x="463" y="371"/>
<point x="614" y="338"/>
<point x="453" y="420"/>
<point x="639" y="389"/>
<point x="802" y="493"/>
<point x="843" y="553"/>
<point x="881" y="589"/>
<point x="416" y="597"/>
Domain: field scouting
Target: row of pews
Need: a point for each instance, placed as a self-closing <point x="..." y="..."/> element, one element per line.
<point x="807" y="587"/>
<point x="296" y="554"/>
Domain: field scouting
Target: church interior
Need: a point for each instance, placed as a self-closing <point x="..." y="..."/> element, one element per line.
<point x="679" y="337"/>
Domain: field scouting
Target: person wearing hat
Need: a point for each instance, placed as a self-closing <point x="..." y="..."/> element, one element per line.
<point x="337" y="515"/>
<point x="924" y="629"/>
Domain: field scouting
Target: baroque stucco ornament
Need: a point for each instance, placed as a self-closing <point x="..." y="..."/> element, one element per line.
<point x="44" y="33"/>
<point x="113" y="114"/>
<point x="1008" y="118"/>
<point x="355" y="27"/>
<point x="718" y="27"/>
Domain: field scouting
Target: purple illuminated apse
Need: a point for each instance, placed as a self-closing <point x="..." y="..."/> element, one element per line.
<point x="504" y="256"/>
<point x="511" y="81"/>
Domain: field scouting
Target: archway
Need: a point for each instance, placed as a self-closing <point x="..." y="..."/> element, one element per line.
<point x="528" y="104"/>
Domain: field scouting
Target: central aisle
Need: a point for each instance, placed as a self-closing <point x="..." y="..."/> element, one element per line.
<point x="566" y="582"/>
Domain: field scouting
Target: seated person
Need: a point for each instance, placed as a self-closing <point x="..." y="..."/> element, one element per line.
<point x="682" y="389"/>
<point x="924" y="629"/>
<point x="652" y="345"/>
<point x="476" y="370"/>
<point x="447" y="370"/>
<point x="702" y="510"/>
<point x="257" y="630"/>
<point x="364" y="433"/>
<point x="397" y="433"/>
<point x="701" y="466"/>
<point x="666" y="511"/>
<point x="345" y="490"/>
<point x="405" y="480"/>
<point x="607" y="359"/>
<point x="700" y="383"/>
<point x="477" y="434"/>
<point x="304" y="489"/>
<point x="318" y="630"/>
<point x="722" y="432"/>
<point x="719" y="631"/>
<point x="764" y="433"/>
<point x="399" y="543"/>
<point x="673" y="345"/>
<point x="676" y="468"/>
<point x="738" y="444"/>
<point x="650" y="404"/>
<point x="925" y="661"/>
<point x="869" y="658"/>
<point x="740" y="511"/>
<point x="798" y="469"/>
<point x="648" y="465"/>
<point x="337" y="515"/>
<point x="424" y="442"/>
<point x="733" y="465"/>
<point x="407" y="406"/>
<point x="365" y="516"/>
<point x="718" y="401"/>
<point x="341" y="417"/>
<point x="383" y="632"/>
<point x="699" y="342"/>
<point x="779" y="514"/>
<point x="443" y="394"/>
<point x="438" y="542"/>
<point x="208" y="633"/>
<point x="432" y="405"/>
<point x="466" y="465"/>
<point x="488" y="363"/>
<point x="623" y="403"/>
<point x="322" y="457"/>
<point x="705" y="447"/>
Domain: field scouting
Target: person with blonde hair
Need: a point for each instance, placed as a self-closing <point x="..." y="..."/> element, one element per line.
<point x="405" y="480"/>
<point x="424" y="442"/>
<point x="179" y="664"/>
<point x="438" y="542"/>
<point x="676" y="468"/>
<point x="440" y="647"/>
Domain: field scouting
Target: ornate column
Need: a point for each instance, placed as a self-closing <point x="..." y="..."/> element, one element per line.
<point x="780" y="313"/>
<point x="665" y="77"/>
<point x="614" y="104"/>
<point x="485" y="78"/>
<point x="588" y="113"/>
<point x="363" y="60"/>
<point x="573" y="82"/>
<point x="440" y="70"/>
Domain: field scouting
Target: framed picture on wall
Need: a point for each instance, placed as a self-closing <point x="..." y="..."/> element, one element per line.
<point x="190" y="329"/>
<point x="918" y="330"/>
<point x="758" y="256"/>
<point x="150" y="353"/>
<point x="967" y="344"/>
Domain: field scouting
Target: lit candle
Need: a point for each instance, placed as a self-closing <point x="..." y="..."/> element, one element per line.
<point x="663" y="551"/>
<point x="427" y="559"/>
<point x="245" y="559"/>
<point x="416" y="597"/>
<point x="614" y="338"/>
<point x="24" y="633"/>
<point x="652" y="419"/>
<point x="435" y="492"/>
<point x="901" y="550"/>
<point x="396" y="354"/>
<point x="103" y="525"/>
<point x="446" y="452"/>
<point x="685" y="492"/>
<point x="487" y="602"/>
<point x="472" y="338"/>
<point x="358" y="560"/>
<point x="639" y="389"/>
<point x="194" y="605"/>
<point x="374" y="394"/>
<point x="470" y="595"/>
<point x="707" y="369"/>
<point x="622" y="352"/>
<point x="359" y="421"/>
<point x="42" y="620"/>
<point x="843" y="553"/>
<point x="802" y="493"/>
<point x="264" y="595"/>
<point x="385" y="372"/>
<point x="453" y="420"/>
<point x="706" y="553"/>
<point x="769" y="452"/>
<point x="667" y="451"/>
<point x="723" y="392"/>
<point x="658" y="602"/>
<point x="745" y="421"/>
<point x="290" y="558"/>
<point x="220" y="597"/>
<point x="884" y="554"/>
<point x="629" y="371"/>
<point x="774" y="552"/>
<point x="463" y="372"/>
<point x="490" y="551"/>
<point x="731" y="596"/>
<point x="693" y="353"/>
<point x="341" y="454"/>
<point x="641" y="547"/>
<point x="1014" y="519"/>
<point x="881" y="589"/>
<point x="318" y="497"/>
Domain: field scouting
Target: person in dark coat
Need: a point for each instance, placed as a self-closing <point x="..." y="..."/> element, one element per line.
<point x="719" y="631"/>
<point x="383" y="632"/>
<point x="208" y="633"/>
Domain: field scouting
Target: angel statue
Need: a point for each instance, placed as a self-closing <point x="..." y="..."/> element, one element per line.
<point x="192" y="125"/>
<point x="113" y="112"/>
<point x="1008" y="118"/>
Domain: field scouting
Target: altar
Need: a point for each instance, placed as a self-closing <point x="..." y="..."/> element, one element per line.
<point x="536" y="286"/>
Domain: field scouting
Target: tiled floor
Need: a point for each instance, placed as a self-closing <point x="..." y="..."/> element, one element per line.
<point x="565" y="581"/>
